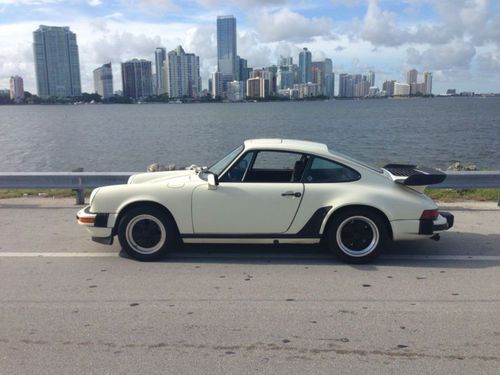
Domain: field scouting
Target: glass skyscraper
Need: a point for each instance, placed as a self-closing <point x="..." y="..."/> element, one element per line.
<point x="226" y="47"/>
<point x="160" y="57"/>
<point x="136" y="79"/>
<point x="57" y="64"/>
<point x="103" y="81"/>
<point x="305" y="67"/>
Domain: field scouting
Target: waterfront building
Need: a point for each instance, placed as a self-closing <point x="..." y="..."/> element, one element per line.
<point x="57" y="64"/>
<point x="305" y="61"/>
<point x="306" y="90"/>
<point x="411" y="76"/>
<point x="285" y="77"/>
<point x="428" y="83"/>
<point x="318" y="73"/>
<point x="103" y="81"/>
<point x="258" y="87"/>
<point x="388" y="87"/>
<point x="373" y="92"/>
<point x="159" y="80"/>
<point x="227" y="64"/>
<point x="236" y="91"/>
<point x="182" y="74"/>
<point x="361" y="88"/>
<point x="371" y="78"/>
<point x="329" y="81"/>
<point x="136" y="79"/>
<point x="16" y="89"/>
<point x="401" y="89"/>
<point x="217" y="85"/>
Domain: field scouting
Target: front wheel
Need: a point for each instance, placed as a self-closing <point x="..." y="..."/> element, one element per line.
<point x="357" y="235"/>
<point x="146" y="234"/>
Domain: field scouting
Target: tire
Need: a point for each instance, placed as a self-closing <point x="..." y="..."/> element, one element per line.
<point x="147" y="233"/>
<point x="357" y="235"/>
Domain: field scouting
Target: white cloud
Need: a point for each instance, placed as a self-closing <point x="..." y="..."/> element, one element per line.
<point x="456" y="55"/>
<point x="94" y="3"/>
<point x="285" y="24"/>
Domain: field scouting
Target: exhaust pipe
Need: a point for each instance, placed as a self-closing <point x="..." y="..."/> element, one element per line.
<point x="436" y="237"/>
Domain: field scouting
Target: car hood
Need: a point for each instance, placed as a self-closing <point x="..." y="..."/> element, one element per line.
<point x="155" y="177"/>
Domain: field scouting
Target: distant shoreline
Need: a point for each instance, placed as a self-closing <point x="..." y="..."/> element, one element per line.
<point x="263" y="100"/>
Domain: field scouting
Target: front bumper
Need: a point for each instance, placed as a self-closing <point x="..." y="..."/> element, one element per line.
<point x="99" y="225"/>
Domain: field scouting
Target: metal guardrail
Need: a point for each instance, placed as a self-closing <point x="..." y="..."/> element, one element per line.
<point x="79" y="181"/>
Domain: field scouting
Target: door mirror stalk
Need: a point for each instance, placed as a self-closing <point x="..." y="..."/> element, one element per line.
<point x="213" y="181"/>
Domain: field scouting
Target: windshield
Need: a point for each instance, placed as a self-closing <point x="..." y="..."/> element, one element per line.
<point x="379" y="170"/>
<point x="219" y="167"/>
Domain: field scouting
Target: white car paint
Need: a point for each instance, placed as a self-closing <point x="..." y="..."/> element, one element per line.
<point x="251" y="208"/>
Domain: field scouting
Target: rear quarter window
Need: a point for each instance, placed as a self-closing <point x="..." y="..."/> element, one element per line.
<point x="323" y="170"/>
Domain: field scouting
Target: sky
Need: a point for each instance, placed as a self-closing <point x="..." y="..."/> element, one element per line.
<point x="457" y="40"/>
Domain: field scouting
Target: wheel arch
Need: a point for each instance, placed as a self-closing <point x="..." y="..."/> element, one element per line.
<point x="335" y="211"/>
<point x="143" y="203"/>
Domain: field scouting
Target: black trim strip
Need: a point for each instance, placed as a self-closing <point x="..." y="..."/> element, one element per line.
<point x="103" y="240"/>
<point x="313" y="225"/>
<point x="246" y="235"/>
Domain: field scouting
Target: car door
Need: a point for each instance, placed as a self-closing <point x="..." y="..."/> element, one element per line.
<point x="255" y="196"/>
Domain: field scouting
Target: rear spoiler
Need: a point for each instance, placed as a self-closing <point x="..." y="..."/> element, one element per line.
<point x="413" y="175"/>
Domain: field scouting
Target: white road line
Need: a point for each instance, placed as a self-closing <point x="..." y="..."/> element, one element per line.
<point x="57" y="255"/>
<point x="409" y="257"/>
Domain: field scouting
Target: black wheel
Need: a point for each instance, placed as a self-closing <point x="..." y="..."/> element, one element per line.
<point x="357" y="235"/>
<point x="147" y="233"/>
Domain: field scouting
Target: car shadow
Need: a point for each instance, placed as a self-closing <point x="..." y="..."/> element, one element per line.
<point x="454" y="250"/>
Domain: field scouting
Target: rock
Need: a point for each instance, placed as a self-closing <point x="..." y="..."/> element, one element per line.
<point x="156" y="167"/>
<point x="457" y="166"/>
<point x="43" y="195"/>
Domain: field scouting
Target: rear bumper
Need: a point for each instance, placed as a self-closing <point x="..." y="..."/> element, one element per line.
<point x="421" y="229"/>
<point x="99" y="225"/>
<point x="444" y="221"/>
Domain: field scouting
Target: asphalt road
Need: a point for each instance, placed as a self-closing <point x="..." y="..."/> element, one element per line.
<point x="71" y="306"/>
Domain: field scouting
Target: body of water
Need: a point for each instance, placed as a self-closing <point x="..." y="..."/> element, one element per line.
<point x="432" y="132"/>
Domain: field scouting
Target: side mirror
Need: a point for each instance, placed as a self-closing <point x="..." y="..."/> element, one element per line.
<point x="213" y="181"/>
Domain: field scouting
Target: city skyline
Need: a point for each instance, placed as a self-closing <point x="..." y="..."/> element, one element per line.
<point x="387" y="37"/>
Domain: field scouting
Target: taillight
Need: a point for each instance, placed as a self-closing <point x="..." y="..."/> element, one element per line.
<point x="429" y="215"/>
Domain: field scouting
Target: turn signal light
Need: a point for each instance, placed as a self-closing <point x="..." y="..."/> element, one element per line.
<point x="86" y="220"/>
<point x="429" y="215"/>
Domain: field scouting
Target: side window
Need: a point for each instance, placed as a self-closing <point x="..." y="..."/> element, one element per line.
<point x="238" y="170"/>
<point x="323" y="170"/>
<point x="276" y="166"/>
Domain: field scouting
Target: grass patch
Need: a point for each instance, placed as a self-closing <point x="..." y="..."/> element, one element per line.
<point x="52" y="193"/>
<point x="452" y="195"/>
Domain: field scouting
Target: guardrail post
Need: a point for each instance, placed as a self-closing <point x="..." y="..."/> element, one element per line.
<point x="80" y="193"/>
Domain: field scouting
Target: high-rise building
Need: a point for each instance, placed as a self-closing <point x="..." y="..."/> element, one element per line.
<point x="16" y="89"/>
<point x="136" y="79"/>
<point x="182" y="74"/>
<point x="329" y="84"/>
<point x="305" y="60"/>
<point x="236" y="91"/>
<point x="226" y="47"/>
<point x="401" y="89"/>
<point x="159" y="81"/>
<point x="318" y="73"/>
<point x="428" y="83"/>
<point x="217" y="85"/>
<point x="103" y="81"/>
<point x="258" y="87"/>
<point x="57" y="64"/>
<point x="388" y="87"/>
<point x="411" y="76"/>
<point x="371" y="78"/>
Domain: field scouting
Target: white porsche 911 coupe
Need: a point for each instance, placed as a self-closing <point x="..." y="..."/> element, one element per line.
<point x="270" y="191"/>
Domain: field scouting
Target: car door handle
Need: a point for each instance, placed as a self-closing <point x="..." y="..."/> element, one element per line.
<point x="291" y="194"/>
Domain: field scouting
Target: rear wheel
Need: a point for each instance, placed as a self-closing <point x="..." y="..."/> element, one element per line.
<point x="357" y="235"/>
<point x="147" y="233"/>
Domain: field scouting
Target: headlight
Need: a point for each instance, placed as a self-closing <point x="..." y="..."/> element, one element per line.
<point x="92" y="195"/>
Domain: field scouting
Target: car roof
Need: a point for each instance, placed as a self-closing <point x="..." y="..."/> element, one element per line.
<point x="288" y="145"/>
